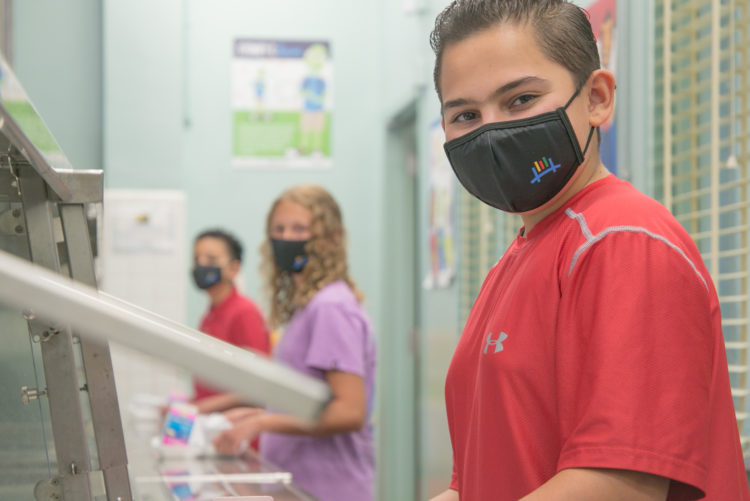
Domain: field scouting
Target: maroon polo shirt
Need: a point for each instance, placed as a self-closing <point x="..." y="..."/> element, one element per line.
<point x="237" y="321"/>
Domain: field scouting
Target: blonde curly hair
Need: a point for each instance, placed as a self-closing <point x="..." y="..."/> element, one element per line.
<point x="326" y="252"/>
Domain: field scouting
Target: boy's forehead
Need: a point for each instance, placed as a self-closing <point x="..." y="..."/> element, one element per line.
<point x="493" y="58"/>
<point x="212" y="245"/>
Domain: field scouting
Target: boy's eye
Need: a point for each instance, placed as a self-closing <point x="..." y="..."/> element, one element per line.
<point x="521" y="100"/>
<point x="464" y="116"/>
<point x="205" y="261"/>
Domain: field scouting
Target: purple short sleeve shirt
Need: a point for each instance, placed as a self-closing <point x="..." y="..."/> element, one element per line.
<point x="333" y="332"/>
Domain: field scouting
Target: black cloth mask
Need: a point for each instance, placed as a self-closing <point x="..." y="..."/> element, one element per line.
<point x="289" y="255"/>
<point x="518" y="165"/>
<point x="206" y="276"/>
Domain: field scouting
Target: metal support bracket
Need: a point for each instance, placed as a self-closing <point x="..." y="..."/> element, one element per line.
<point x="48" y="489"/>
<point x="97" y="362"/>
<point x="87" y="186"/>
<point x="29" y="394"/>
<point x="8" y="159"/>
<point x="61" y="374"/>
<point x="59" y="488"/>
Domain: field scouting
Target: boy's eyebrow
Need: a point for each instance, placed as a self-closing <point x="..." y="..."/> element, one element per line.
<point x="500" y="90"/>
<point x="516" y="83"/>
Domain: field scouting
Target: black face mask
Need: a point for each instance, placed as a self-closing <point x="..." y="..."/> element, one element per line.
<point x="519" y="165"/>
<point x="206" y="276"/>
<point x="289" y="255"/>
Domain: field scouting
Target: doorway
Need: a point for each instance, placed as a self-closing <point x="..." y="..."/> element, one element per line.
<point x="399" y="368"/>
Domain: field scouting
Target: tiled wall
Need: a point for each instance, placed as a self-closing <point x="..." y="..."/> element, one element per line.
<point x="143" y="260"/>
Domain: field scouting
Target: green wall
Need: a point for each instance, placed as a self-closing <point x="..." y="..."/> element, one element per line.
<point x="57" y="55"/>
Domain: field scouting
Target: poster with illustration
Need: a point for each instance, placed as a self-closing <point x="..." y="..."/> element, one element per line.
<point x="282" y="97"/>
<point x="603" y="15"/>
<point x="441" y="213"/>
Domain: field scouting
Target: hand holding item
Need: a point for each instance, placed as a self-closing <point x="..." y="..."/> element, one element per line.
<point x="234" y="441"/>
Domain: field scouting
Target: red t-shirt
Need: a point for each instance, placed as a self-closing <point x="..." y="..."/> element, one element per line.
<point x="595" y="342"/>
<point x="237" y="321"/>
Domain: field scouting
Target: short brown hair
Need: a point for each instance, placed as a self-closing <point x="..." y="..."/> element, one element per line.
<point x="234" y="247"/>
<point x="562" y="30"/>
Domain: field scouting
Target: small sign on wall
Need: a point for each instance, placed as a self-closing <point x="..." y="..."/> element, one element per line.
<point x="146" y="227"/>
<point x="282" y="102"/>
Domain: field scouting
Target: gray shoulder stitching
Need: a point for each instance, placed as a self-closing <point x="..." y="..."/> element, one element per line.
<point x="592" y="239"/>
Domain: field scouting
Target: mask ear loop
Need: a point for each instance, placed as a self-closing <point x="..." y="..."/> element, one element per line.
<point x="588" y="141"/>
<point x="572" y="98"/>
<point x="591" y="129"/>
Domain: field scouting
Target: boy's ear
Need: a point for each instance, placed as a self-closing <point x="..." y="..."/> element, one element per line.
<point x="601" y="97"/>
<point x="234" y="267"/>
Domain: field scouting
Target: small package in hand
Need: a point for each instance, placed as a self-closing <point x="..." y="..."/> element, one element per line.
<point x="179" y="423"/>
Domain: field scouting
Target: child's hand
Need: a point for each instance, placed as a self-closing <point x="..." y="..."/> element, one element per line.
<point x="239" y="413"/>
<point x="234" y="441"/>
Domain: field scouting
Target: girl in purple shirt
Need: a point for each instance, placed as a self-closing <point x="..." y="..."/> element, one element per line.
<point x="327" y="335"/>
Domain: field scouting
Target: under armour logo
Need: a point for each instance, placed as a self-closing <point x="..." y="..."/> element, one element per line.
<point x="497" y="343"/>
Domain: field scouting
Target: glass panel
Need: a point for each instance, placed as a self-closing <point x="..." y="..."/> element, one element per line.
<point x="18" y="104"/>
<point x="26" y="447"/>
<point x="203" y="478"/>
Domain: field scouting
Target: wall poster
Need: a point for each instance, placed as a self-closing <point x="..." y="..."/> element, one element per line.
<point x="281" y="103"/>
<point x="441" y="212"/>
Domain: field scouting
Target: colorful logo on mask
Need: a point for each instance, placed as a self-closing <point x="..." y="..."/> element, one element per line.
<point x="543" y="167"/>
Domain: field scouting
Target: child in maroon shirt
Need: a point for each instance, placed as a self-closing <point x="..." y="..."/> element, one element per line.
<point x="231" y="316"/>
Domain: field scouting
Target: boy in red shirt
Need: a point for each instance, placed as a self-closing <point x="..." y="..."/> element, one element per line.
<point x="231" y="316"/>
<point x="592" y="365"/>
